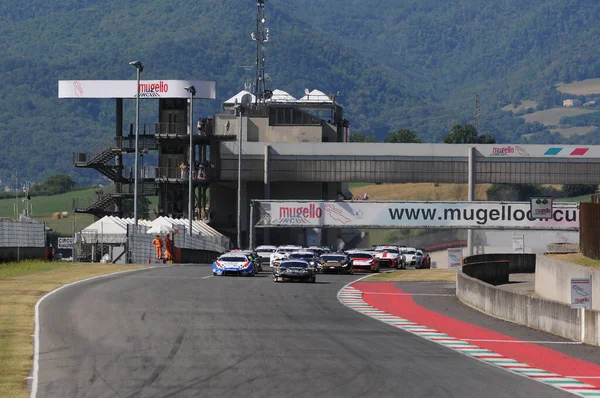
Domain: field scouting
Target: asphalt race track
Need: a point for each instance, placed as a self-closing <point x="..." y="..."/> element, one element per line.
<point x="179" y="332"/>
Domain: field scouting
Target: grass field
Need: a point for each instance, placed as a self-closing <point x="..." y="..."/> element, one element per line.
<point x="524" y="105"/>
<point x="583" y="87"/>
<point x="420" y="191"/>
<point x="571" y="131"/>
<point x="416" y="275"/>
<point x="21" y="286"/>
<point x="551" y="117"/>
<point x="577" y="258"/>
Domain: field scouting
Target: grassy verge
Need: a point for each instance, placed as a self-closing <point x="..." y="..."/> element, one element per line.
<point x="577" y="258"/>
<point x="416" y="275"/>
<point x="21" y="286"/>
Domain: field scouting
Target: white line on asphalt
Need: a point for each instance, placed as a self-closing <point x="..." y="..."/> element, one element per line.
<point x="583" y="377"/>
<point x="524" y="342"/>
<point x="411" y="294"/>
<point x="36" y="340"/>
<point x="208" y="276"/>
<point x="166" y="277"/>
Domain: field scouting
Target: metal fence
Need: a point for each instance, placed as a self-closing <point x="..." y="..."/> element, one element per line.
<point x="141" y="249"/>
<point x="22" y="234"/>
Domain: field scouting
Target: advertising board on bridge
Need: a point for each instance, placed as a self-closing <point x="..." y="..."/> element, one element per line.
<point x="380" y="214"/>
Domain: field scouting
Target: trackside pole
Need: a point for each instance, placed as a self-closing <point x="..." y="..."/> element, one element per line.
<point x="471" y="194"/>
<point x="251" y="226"/>
<point x="582" y="315"/>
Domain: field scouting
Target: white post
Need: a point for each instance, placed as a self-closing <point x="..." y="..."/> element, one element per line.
<point x="582" y="315"/>
<point x="135" y="164"/>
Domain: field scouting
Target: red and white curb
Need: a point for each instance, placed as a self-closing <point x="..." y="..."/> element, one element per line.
<point x="352" y="298"/>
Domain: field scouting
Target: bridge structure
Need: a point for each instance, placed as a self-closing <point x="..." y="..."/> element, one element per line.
<point x="412" y="163"/>
<point x="288" y="167"/>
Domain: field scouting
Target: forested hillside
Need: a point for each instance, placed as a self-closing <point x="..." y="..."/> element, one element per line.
<point x="414" y="64"/>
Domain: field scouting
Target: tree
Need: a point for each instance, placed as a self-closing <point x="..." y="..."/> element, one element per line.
<point x="403" y="136"/>
<point x="573" y="190"/>
<point x="54" y="185"/>
<point x="358" y="137"/>
<point x="467" y="134"/>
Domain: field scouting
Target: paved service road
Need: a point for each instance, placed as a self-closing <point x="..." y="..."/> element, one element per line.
<point x="178" y="332"/>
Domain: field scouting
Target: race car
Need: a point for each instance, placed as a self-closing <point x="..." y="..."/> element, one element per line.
<point x="253" y="256"/>
<point x="390" y="256"/>
<point x="234" y="264"/>
<point x="426" y="263"/>
<point x="294" y="270"/>
<point x="306" y="255"/>
<point x="414" y="258"/>
<point x="281" y="253"/>
<point x="264" y="252"/>
<point x="336" y="263"/>
<point x="363" y="261"/>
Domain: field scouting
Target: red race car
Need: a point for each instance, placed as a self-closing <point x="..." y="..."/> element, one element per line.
<point x="363" y="262"/>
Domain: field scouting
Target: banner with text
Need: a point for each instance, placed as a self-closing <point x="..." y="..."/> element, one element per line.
<point x="375" y="214"/>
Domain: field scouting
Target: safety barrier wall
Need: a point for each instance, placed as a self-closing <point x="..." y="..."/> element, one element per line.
<point x="519" y="263"/>
<point x="192" y="248"/>
<point x="546" y="315"/>
<point x="493" y="272"/>
<point x="8" y="254"/>
<point x="553" y="280"/>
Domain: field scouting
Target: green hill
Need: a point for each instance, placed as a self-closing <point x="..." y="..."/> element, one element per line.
<point x="402" y="64"/>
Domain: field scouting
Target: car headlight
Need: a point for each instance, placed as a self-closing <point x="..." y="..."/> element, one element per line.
<point x="344" y="264"/>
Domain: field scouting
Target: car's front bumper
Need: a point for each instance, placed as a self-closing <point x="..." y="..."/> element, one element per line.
<point x="233" y="271"/>
<point x="300" y="276"/>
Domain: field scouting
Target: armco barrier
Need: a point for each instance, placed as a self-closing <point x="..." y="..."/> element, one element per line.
<point x="553" y="280"/>
<point x="546" y="315"/>
<point x="492" y="272"/>
<point x="519" y="263"/>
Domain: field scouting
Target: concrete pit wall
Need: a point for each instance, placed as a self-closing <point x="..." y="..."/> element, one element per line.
<point x="553" y="280"/>
<point x="537" y="313"/>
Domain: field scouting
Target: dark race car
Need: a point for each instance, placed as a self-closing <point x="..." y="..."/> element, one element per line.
<point x="362" y="261"/>
<point x="294" y="270"/>
<point x="336" y="264"/>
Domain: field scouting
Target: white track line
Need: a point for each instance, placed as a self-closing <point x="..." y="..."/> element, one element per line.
<point x="412" y="294"/>
<point x="525" y="342"/>
<point x="36" y="344"/>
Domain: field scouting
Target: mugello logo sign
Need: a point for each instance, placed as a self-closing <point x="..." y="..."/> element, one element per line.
<point x="509" y="150"/>
<point x="153" y="90"/>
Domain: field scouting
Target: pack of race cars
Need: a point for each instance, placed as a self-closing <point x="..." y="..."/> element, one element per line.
<point x="291" y="262"/>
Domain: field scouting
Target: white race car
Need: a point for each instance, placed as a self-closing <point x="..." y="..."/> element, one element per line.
<point x="414" y="257"/>
<point x="390" y="256"/>
<point x="281" y="254"/>
<point x="264" y="252"/>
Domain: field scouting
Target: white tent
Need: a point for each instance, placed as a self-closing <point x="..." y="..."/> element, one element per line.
<point x="281" y="96"/>
<point x="182" y="225"/>
<point x="109" y="230"/>
<point x="238" y="97"/>
<point x="160" y="229"/>
<point x="317" y="97"/>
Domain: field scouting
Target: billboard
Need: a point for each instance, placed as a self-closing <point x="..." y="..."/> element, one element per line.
<point x="375" y="214"/>
<point x="152" y="89"/>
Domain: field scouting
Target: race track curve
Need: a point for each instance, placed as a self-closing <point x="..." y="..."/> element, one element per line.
<point x="179" y="332"/>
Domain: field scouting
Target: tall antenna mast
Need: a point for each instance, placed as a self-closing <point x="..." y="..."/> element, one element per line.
<point x="261" y="36"/>
<point x="477" y="114"/>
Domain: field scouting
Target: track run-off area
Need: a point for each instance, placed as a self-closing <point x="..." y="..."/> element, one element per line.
<point x="180" y="332"/>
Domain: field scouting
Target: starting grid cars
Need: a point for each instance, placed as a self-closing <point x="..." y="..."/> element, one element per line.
<point x="290" y="262"/>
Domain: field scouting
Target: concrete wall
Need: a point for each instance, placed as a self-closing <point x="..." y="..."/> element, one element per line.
<point x="537" y="313"/>
<point x="518" y="263"/>
<point x="553" y="280"/>
<point x="493" y="272"/>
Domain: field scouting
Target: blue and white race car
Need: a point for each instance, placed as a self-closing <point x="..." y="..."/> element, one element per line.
<point x="234" y="264"/>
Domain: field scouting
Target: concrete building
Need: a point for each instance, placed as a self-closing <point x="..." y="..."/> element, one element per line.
<point x="314" y="118"/>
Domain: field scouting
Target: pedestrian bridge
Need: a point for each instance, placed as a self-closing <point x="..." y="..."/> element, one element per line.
<point x="411" y="163"/>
